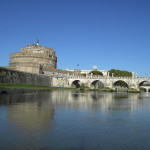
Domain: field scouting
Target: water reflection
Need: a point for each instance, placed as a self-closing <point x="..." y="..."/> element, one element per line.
<point x="64" y="119"/>
<point x="42" y="104"/>
<point x="29" y="111"/>
<point x="96" y="100"/>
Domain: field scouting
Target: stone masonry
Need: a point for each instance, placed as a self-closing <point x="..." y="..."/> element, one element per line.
<point x="19" y="77"/>
<point x="33" y="58"/>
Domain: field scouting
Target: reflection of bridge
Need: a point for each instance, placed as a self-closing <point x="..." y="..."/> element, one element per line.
<point x="96" y="100"/>
<point x="100" y="82"/>
<point x="147" y="88"/>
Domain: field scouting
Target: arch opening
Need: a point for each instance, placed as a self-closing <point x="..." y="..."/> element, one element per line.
<point x="75" y="84"/>
<point x="144" y="86"/>
<point x="96" y="84"/>
<point x="121" y="85"/>
<point x="144" y="83"/>
<point x="143" y="89"/>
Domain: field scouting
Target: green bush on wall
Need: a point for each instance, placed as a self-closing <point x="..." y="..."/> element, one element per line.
<point x="97" y="73"/>
<point x="120" y="73"/>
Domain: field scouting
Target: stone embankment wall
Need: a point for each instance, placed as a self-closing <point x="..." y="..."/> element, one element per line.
<point x="18" y="77"/>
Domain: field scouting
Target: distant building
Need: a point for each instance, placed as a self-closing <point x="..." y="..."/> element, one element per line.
<point x="33" y="58"/>
<point x="87" y="72"/>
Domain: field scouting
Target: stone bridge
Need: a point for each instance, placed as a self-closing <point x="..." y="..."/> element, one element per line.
<point x="101" y="82"/>
<point x="147" y="88"/>
<point x="93" y="82"/>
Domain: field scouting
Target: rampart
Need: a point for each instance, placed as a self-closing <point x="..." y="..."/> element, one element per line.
<point x="18" y="77"/>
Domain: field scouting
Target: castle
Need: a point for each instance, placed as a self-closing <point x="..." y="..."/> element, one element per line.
<point x="33" y="58"/>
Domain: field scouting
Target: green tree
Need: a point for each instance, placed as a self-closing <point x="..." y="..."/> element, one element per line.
<point x="120" y="73"/>
<point x="96" y="73"/>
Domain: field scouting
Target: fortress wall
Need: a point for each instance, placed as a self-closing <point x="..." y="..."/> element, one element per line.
<point x="19" y="77"/>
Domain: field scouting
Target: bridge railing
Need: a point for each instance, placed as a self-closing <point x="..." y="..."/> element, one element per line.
<point x="105" y="77"/>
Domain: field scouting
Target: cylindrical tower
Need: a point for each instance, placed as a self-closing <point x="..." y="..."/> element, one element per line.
<point x="32" y="58"/>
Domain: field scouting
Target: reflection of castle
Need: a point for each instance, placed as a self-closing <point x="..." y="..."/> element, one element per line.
<point x="32" y="113"/>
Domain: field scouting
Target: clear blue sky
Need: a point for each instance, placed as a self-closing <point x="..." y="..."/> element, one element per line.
<point x="112" y="34"/>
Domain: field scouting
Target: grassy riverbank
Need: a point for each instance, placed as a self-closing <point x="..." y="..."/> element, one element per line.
<point x="25" y="88"/>
<point x="8" y="85"/>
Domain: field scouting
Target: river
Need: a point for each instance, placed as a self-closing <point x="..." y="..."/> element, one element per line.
<point x="73" y="120"/>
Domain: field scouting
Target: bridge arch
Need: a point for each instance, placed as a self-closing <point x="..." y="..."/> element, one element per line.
<point x="75" y="84"/>
<point x="121" y="83"/>
<point x="143" y="87"/>
<point x="141" y="83"/>
<point x="96" y="84"/>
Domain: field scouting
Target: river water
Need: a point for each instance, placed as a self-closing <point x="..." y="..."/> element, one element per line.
<point x="73" y="120"/>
